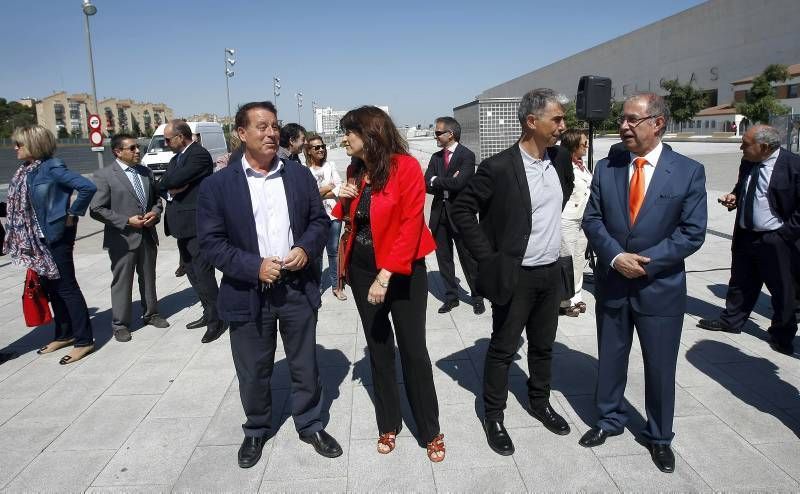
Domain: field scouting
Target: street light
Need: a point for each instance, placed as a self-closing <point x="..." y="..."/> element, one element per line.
<point x="299" y="96"/>
<point x="314" y="114"/>
<point x="89" y="10"/>
<point x="276" y="89"/>
<point x="229" y="60"/>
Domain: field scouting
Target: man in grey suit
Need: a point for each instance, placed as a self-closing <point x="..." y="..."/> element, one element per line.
<point x="128" y="203"/>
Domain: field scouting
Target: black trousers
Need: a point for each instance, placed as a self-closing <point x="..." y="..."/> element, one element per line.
<point x="253" y="343"/>
<point x="406" y="301"/>
<point x="445" y="238"/>
<point x="201" y="276"/>
<point x="659" y="337"/>
<point x="534" y="308"/>
<point x="762" y="258"/>
<point x="70" y="313"/>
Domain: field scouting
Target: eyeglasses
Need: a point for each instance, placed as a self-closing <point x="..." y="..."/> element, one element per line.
<point x="440" y="133"/>
<point x="132" y="148"/>
<point x="167" y="139"/>
<point x="19" y="144"/>
<point x="634" y="122"/>
<point x="319" y="147"/>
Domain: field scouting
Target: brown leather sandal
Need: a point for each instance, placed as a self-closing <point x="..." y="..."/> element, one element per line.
<point x="339" y="294"/>
<point x="55" y="345"/>
<point x="388" y="440"/>
<point x="436" y="446"/>
<point x="76" y="354"/>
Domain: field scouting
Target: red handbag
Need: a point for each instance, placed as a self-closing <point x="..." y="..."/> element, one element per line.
<point x="35" y="305"/>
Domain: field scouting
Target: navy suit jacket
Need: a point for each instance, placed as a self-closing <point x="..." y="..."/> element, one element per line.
<point x="671" y="226"/>
<point x="226" y="230"/>
<point x="783" y="195"/>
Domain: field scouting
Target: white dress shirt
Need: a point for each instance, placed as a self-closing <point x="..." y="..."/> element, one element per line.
<point x="131" y="177"/>
<point x="764" y="218"/>
<point x="270" y="210"/>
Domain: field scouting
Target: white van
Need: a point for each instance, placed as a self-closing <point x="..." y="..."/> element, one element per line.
<point x="207" y="134"/>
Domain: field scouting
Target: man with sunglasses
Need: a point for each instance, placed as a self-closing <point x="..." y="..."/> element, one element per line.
<point x="646" y="214"/>
<point x="128" y="203"/>
<point x="448" y="172"/>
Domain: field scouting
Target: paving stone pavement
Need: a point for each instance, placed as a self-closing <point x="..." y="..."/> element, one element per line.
<point x="162" y="413"/>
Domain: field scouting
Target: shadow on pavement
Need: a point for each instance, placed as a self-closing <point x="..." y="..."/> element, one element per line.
<point x="437" y="289"/>
<point x="767" y="373"/>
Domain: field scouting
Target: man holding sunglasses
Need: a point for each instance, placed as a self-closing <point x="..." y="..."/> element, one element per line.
<point x="128" y="203"/>
<point x="646" y="214"/>
<point x="448" y="172"/>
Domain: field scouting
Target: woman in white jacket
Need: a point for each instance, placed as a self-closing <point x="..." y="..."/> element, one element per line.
<point x="328" y="181"/>
<point x="573" y="240"/>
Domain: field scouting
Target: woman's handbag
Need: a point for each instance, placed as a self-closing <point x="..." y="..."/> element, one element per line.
<point x="347" y="237"/>
<point x="35" y="305"/>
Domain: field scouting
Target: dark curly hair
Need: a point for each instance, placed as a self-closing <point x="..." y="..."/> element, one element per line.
<point x="381" y="141"/>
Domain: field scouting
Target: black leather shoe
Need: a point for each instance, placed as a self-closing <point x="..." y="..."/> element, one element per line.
<point x="554" y="422"/>
<point x="716" y="325"/>
<point x="250" y="450"/>
<point x="448" y="306"/>
<point x="478" y="307"/>
<point x="324" y="444"/>
<point x="784" y="348"/>
<point x="180" y="271"/>
<point x="122" y="334"/>
<point x="156" y="321"/>
<point x="595" y="437"/>
<point x="214" y="331"/>
<point x="662" y="456"/>
<point x="498" y="438"/>
<point x="198" y="323"/>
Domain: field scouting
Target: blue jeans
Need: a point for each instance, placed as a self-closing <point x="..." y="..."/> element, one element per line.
<point x="70" y="313"/>
<point x="333" y="254"/>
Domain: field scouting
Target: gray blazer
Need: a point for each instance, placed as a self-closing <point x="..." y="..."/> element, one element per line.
<point x="115" y="202"/>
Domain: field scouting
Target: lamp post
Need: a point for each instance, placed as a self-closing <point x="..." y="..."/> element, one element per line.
<point x="276" y="89"/>
<point x="89" y="10"/>
<point x="314" y="115"/>
<point x="228" y="74"/>
<point x="299" y="96"/>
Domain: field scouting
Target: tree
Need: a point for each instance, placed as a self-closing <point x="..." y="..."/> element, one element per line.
<point x="14" y="115"/>
<point x="571" y="118"/>
<point x="610" y="124"/>
<point x="77" y="133"/>
<point x="760" y="101"/>
<point x="135" y="129"/>
<point x="62" y="133"/>
<point x="683" y="100"/>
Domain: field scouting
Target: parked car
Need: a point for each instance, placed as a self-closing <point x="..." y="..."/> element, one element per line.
<point x="207" y="134"/>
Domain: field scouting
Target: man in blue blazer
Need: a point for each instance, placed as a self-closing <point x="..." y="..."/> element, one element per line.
<point x="259" y="221"/>
<point x="646" y="214"/>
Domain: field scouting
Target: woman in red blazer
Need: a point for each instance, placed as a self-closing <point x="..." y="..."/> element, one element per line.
<point x="385" y="258"/>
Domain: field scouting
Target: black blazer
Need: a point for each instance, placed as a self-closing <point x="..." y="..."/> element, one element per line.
<point x="499" y="194"/>
<point x="462" y="162"/>
<point x="783" y="194"/>
<point x="180" y="221"/>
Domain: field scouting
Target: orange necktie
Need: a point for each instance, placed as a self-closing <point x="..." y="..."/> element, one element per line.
<point x="636" y="193"/>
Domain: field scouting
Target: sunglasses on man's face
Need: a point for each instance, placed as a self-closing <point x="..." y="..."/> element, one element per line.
<point x="132" y="148"/>
<point x="319" y="147"/>
<point x="440" y="133"/>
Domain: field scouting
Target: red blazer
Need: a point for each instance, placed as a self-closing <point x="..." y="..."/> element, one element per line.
<point x="399" y="233"/>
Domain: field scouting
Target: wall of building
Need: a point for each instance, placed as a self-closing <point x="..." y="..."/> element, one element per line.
<point x="711" y="45"/>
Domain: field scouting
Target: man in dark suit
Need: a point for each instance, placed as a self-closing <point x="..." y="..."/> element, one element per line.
<point x="127" y="202"/>
<point x="765" y="237"/>
<point x="520" y="194"/>
<point x="260" y="220"/>
<point x="448" y="172"/>
<point x="181" y="182"/>
<point x="646" y="214"/>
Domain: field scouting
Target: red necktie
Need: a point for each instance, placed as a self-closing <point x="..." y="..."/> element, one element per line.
<point x="447" y="154"/>
<point x="636" y="192"/>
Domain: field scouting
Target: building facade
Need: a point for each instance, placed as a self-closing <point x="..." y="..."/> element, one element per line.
<point x="326" y="120"/>
<point x="711" y="46"/>
<point x="61" y="112"/>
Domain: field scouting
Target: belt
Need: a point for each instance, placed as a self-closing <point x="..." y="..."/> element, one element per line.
<point x="541" y="266"/>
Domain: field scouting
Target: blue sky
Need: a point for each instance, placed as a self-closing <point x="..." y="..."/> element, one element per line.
<point x="420" y="58"/>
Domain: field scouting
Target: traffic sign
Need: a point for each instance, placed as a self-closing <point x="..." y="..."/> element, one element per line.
<point x="96" y="138"/>
<point x="94" y="122"/>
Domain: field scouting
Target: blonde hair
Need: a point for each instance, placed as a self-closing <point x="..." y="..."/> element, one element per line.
<point x="37" y="140"/>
